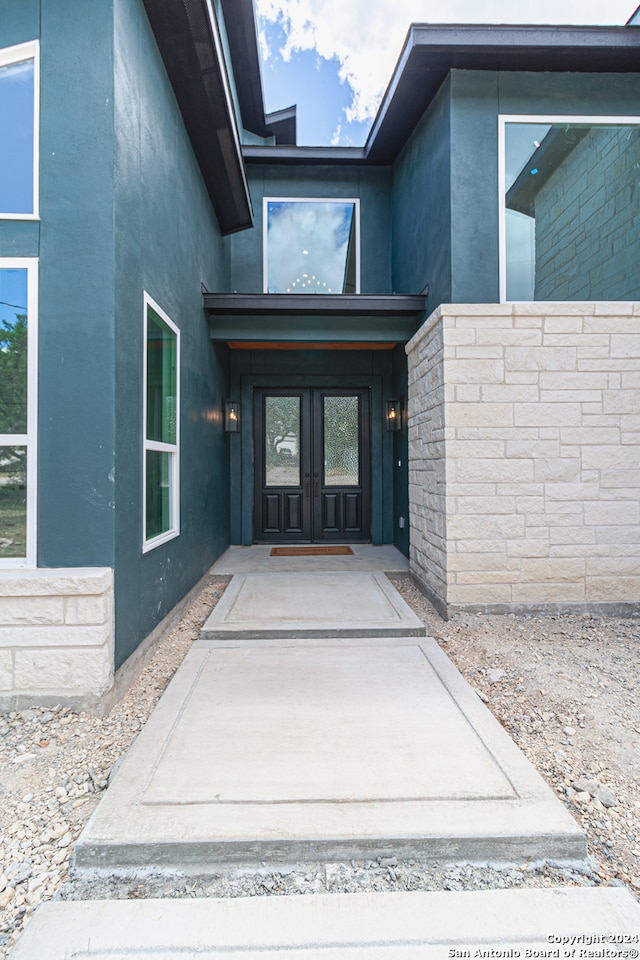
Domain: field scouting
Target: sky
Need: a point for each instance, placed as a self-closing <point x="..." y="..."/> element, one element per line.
<point x="334" y="58"/>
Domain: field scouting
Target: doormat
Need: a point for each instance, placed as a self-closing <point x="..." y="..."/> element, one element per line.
<point x="310" y="551"/>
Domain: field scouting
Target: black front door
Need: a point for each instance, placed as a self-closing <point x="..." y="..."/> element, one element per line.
<point x="312" y="465"/>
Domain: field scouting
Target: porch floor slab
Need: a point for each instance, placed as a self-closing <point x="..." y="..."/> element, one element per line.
<point x="289" y="751"/>
<point x="366" y="558"/>
<point x="308" y="605"/>
<point x="379" y="926"/>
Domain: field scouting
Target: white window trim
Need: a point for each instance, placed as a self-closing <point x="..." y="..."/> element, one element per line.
<point x="503" y="120"/>
<point x="30" y="438"/>
<point x="173" y="449"/>
<point x="266" y="200"/>
<point x="16" y="54"/>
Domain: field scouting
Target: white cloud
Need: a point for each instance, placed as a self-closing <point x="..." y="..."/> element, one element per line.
<point x="366" y="36"/>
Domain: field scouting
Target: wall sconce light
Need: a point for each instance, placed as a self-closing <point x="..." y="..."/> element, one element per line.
<point x="231" y="416"/>
<point x="393" y="415"/>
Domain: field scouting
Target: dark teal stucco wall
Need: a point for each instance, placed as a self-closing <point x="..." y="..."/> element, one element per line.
<point x="445" y="180"/>
<point x="167" y="243"/>
<point x="371" y="185"/>
<point x="477" y="98"/>
<point x="421" y="207"/>
<point x="76" y="297"/>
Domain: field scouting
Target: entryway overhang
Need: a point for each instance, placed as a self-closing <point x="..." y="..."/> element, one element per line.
<point x="267" y="318"/>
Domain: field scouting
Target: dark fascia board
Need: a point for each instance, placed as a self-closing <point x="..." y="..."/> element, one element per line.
<point x="313" y="305"/>
<point x="430" y="52"/>
<point x="304" y="155"/>
<point x="242" y="33"/>
<point x="283" y="125"/>
<point x="189" y="43"/>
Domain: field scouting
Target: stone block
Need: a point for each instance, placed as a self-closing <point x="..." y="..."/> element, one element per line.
<point x="610" y="457"/>
<point x="474" y="370"/>
<point x="611" y="513"/>
<point x="609" y="566"/>
<point x="479" y="546"/>
<point x="59" y="581"/>
<point x="6" y="671"/>
<point x="571" y="536"/>
<point x="509" y="392"/>
<point x="528" y="505"/>
<point x="544" y="414"/>
<point x="540" y="358"/>
<point x="43" y="635"/>
<point x="462" y="593"/>
<point x="557" y="470"/>
<point x="522" y="336"/>
<point x="454" y="337"/>
<point x="625" y="345"/>
<point x="521" y="376"/>
<point x="77" y="672"/>
<point x="475" y="562"/>
<point x="484" y="414"/>
<point x="571" y="491"/>
<point x="582" y="341"/>
<point x="527" y="548"/>
<point x="574" y="380"/>
<point x="590" y="435"/>
<point x="548" y="592"/>
<point x="619" y="478"/>
<point x="552" y="570"/>
<point x="87" y="610"/>
<point x="485" y="528"/>
<point x="31" y="610"/>
<point x="573" y="396"/>
<point x="563" y="324"/>
<point x="613" y="589"/>
<point x="473" y="449"/>
<point x="533" y="449"/>
<point x="486" y="505"/>
<point x="488" y="470"/>
<point x="621" y="401"/>
<point x="468" y="393"/>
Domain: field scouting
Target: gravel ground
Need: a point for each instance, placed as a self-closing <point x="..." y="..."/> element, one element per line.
<point x="565" y="688"/>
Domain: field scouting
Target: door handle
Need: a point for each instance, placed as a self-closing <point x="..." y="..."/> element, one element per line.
<point x="307" y="486"/>
<point x="316" y="485"/>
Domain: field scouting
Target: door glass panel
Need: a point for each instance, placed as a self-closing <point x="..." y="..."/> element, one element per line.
<point x="13" y="351"/>
<point x="282" y="441"/>
<point x="341" y="441"/>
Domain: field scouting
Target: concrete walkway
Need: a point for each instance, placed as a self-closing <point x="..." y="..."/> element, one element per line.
<point x="380" y="926"/>
<point x="312" y="721"/>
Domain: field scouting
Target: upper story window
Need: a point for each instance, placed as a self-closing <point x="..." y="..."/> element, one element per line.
<point x="18" y="378"/>
<point x="570" y="208"/>
<point x="311" y="246"/>
<point x="19" y="131"/>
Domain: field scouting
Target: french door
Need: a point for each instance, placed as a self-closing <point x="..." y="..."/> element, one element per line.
<point x="312" y="465"/>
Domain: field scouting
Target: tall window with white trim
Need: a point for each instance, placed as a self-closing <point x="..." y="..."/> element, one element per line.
<point x="161" y="413"/>
<point x="18" y="378"/>
<point x="19" y="131"/>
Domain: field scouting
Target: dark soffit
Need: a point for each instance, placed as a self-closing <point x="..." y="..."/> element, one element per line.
<point x="191" y="49"/>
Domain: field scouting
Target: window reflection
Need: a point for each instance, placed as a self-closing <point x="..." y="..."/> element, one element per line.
<point x="571" y="223"/>
<point x="16" y="136"/>
<point x="311" y="246"/>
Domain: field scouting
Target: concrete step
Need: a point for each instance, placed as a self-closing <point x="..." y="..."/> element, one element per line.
<point x="286" y="751"/>
<point x="562" y="924"/>
<point x="311" y="605"/>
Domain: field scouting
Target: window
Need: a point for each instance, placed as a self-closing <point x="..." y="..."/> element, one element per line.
<point x="19" y="131"/>
<point x="161" y="413"/>
<point x="570" y="209"/>
<point x="311" y="246"/>
<point x="18" y="378"/>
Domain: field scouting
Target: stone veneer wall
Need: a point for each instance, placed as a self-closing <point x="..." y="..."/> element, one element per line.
<point x="524" y="456"/>
<point x="56" y="635"/>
